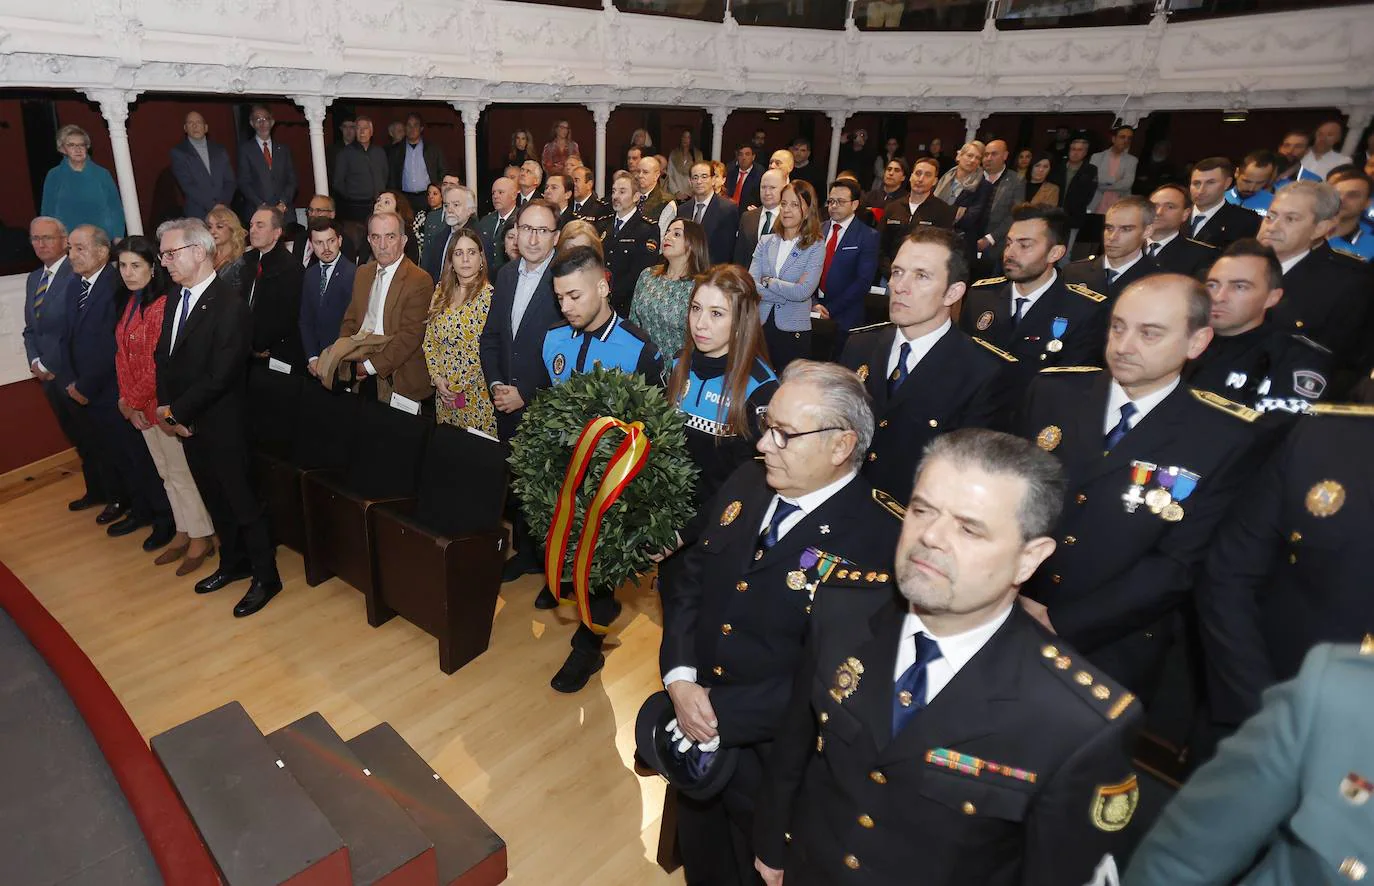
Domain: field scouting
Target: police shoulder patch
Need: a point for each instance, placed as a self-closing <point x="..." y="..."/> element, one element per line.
<point x="893" y="507"/>
<point x="1071" y="369"/>
<point x="1216" y="401"/>
<point x="1114" y="805"/>
<point x="988" y="281"/>
<point x="1089" y="294"/>
<point x="1348" y="409"/>
<point x="996" y="350"/>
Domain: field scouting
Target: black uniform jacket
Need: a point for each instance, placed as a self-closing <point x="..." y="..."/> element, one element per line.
<point x="1266" y="368"/>
<point x="1121" y="568"/>
<point x="1326" y="298"/>
<point x="1227" y="225"/>
<point x="961" y="383"/>
<point x="898" y="222"/>
<point x="1186" y="256"/>
<point x="1018" y="773"/>
<point x="1092" y="273"/>
<point x="1291" y="567"/>
<point x="740" y="621"/>
<point x="628" y="252"/>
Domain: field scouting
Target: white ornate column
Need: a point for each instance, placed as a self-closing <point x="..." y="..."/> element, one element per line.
<point x="471" y="112"/>
<point x="114" y="107"/>
<point x="972" y="120"/>
<point x="1357" y="120"/>
<point x="718" y="117"/>
<point x="601" y="114"/>
<point x="837" y="119"/>
<point x="314" y="107"/>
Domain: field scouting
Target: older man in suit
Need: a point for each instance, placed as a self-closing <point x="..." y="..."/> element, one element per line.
<point x="460" y="206"/>
<point x="713" y="212"/>
<point x="267" y="175"/>
<point x="272" y="288"/>
<point x="326" y="291"/>
<point x="851" y="260"/>
<point x="1008" y="190"/>
<point x="202" y="360"/>
<point x="415" y="163"/>
<point x="493" y="226"/>
<point x="201" y="168"/>
<point x="760" y="220"/>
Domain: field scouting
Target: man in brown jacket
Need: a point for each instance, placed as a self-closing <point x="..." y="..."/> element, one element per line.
<point x="391" y="297"/>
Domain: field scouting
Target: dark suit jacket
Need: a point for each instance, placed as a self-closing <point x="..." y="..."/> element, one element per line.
<point x="516" y="356"/>
<point x="322" y="315"/>
<point x="202" y="188"/>
<point x="854" y="796"/>
<point x="434" y="162"/>
<point x="721" y="222"/>
<point x="203" y="378"/>
<point x="43" y="335"/>
<point x="975" y="204"/>
<point x="261" y="185"/>
<point x="898" y="222"/>
<point x="1092" y="273"/>
<point x="1079" y="193"/>
<point x="89" y="341"/>
<point x="493" y="232"/>
<point x="432" y="259"/>
<point x="592" y="208"/>
<point x="749" y="196"/>
<point x="1007" y="193"/>
<point x="1227" y="225"/>
<point x="1326" y="298"/>
<point x="275" y="301"/>
<point x="748" y="239"/>
<point x="1186" y="256"/>
<point x="852" y="271"/>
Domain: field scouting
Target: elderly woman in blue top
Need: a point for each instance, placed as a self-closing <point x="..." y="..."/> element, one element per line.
<point x="592" y="335"/>
<point x="79" y="191"/>
<point x="787" y="270"/>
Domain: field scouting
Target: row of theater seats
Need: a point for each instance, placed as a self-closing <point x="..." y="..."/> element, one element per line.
<point x="406" y="511"/>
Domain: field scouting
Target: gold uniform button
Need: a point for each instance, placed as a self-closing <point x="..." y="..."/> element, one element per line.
<point x="1295" y="537"/>
<point x="1056" y="578"/>
<point x="872" y="456"/>
<point x="969" y="808"/>
<point x="934" y="423"/>
<point x="1353" y="869"/>
<point x="742" y="586"/>
<point x="1299" y="324"/>
<point x="877" y="777"/>
<point x="865" y="821"/>
<point x="851" y="862"/>
<point x="726" y="629"/>
<point x="1070" y="540"/>
<point x="883" y="423"/>
<point x="1081" y="498"/>
<point x="820" y="743"/>
<point x="718" y="671"/>
<point x="825" y="718"/>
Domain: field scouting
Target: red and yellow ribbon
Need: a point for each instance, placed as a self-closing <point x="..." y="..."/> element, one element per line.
<point x="625" y="463"/>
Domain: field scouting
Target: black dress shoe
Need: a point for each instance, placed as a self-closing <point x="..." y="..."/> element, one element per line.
<point x="84" y="502"/>
<point x="113" y="511"/>
<point x="545" y="599"/>
<point x="219" y="579"/>
<point x="125" y="525"/>
<point x="162" y="535"/>
<point x="257" y="597"/>
<point x="577" y="670"/>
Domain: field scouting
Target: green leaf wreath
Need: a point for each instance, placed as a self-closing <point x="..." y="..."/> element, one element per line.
<point x="651" y="508"/>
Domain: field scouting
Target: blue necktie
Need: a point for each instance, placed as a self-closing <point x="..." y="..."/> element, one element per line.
<point x="85" y="296"/>
<point x="1197" y="225"/>
<point x="1111" y="276"/>
<point x="181" y="316"/>
<point x="784" y="510"/>
<point x="41" y="293"/>
<point x="909" y="693"/>
<point x="1115" y="434"/>
<point x="901" y="372"/>
<point x="1020" y="309"/>
<point x="324" y="279"/>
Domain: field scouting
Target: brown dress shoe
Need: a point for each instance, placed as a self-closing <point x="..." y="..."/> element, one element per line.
<point x="171" y="555"/>
<point x="194" y="563"/>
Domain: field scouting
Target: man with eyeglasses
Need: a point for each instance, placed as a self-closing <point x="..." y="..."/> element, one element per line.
<point x="851" y="260"/>
<point x="267" y="175"/>
<point x="778" y="533"/>
<point x="713" y="212"/>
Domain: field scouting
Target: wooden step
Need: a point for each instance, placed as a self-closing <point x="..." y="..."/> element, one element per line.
<point x="469" y="853"/>
<point x="385" y="847"/>
<point x="260" y="826"/>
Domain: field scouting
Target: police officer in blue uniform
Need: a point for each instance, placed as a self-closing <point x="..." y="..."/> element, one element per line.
<point x="1254" y="187"/>
<point x="1354" y="233"/>
<point x="591" y="336"/>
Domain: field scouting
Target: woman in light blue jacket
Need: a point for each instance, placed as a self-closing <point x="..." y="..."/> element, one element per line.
<point x="787" y="270"/>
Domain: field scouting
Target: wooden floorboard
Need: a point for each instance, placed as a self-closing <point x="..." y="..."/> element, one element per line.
<point x="550" y="773"/>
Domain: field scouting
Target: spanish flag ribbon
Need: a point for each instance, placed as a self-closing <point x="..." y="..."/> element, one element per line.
<point x="625" y="463"/>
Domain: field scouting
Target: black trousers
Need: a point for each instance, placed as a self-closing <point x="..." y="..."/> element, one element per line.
<point x="129" y="456"/>
<point x="714" y="835"/>
<point x="64" y="409"/>
<point x="219" y="465"/>
<point x="96" y="449"/>
<point x="783" y="346"/>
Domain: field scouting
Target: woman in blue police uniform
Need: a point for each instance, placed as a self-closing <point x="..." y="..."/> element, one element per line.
<point x="591" y="335"/>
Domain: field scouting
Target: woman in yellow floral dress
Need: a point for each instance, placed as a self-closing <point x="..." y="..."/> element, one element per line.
<point x="456" y="317"/>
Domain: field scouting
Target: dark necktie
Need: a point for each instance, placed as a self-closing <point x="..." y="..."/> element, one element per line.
<point x="899" y="374"/>
<point x="1019" y="311"/>
<point x="1111" y="276"/>
<point x="85" y="296"/>
<point x="767" y="222"/>
<point x="1198" y="222"/>
<point x="619" y="223"/>
<point x="909" y="693"/>
<point x="784" y="510"/>
<point x="181" y="317"/>
<point x="1152" y="250"/>
<point x="699" y="212"/>
<point x="324" y="279"/>
<point x="1115" y="434"/>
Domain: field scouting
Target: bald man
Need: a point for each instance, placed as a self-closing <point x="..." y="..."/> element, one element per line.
<point x="1008" y="189"/>
<point x="201" y="168"/>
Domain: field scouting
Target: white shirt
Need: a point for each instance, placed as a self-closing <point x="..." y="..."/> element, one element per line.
<point x="808" y="503"/>
<point x="785" y="248"/>
<point x="1107" y="263"/>
<point x="1163" y="242"/>
<point x="1117" y="397"/>
<point x="525" y="285"/>
<point x="1289" y="263"/>
<point x="668" y="216"/>
<point x="844" y="228"/>
<point x="955" y="650"/>
<point x="1325" y="163"/>
<point x="1030" y="297"/>
<point x="622" y="219"/>
<point x="705" y="207"/>
<point x="1205" y="215"/>
<point x="920" y="346"/>
<point x="915" y="206"/>
<point x="196" y="292"/>
<point x="266" y="146"/>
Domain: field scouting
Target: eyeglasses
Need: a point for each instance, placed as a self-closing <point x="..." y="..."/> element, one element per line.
<point x="839" y="201"/>
<point x="781" y="438"/>
<point x="76" y="146"/>
<point x="537" y="233"/>
<point x="169" y="254"/>
<point x="256" y="120"/>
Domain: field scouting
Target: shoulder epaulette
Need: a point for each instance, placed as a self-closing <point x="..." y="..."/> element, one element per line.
<point x="988" y="281"/>
<point x="1316" y="346"/>
<point x="1105" y="697"/>
<point x="1367" y="645"/>
<point x="893" y="507"/>
<point x="1349" y="409"/>
<point x="1071" y="369"/>
<point x="1200" y="242"/>
<point x="996" y="350"/>
<point x="1339" y="250"/>
<point x="1087" y="293"/>
<point x="870" y="327"/>
<point x="1216" y="401"/>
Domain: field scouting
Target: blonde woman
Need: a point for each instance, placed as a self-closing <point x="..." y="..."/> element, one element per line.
<point x="456" y="317"/>
<point x="230" y="242"/>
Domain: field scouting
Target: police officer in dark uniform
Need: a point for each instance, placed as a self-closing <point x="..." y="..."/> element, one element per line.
<point x="919" y="207"/>
<point x="925" y="377"/>
<point x="775" y="536"/>
<point x="1031" y="313"/>
<point x="1152" y="467"/>
<point x="592" y="336"/>
<point x="630" y="241"/>
<point x="1123" y="260"/>
<point x="1288" y="569"/>
<point x="1251" y="360"/>
<point x="946" y="738"/>
<point x="1168" y="246"/>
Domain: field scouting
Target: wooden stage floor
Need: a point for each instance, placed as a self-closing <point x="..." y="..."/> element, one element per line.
<point x="550" y="773"/>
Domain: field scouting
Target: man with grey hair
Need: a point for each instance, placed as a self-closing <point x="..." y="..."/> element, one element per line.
<point x="460" y="205"/>
<point x="943" y="730"/>
<point x="1325" y="293"/>
<point x="736" y="617"/>
<point x="202" y="372"/>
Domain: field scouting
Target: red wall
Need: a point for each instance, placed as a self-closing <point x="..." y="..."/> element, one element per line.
<point x="443" y="126"/>
<point x="1198" y="134"/>
<point x="32" y="430"/>
<point x="16" y="200"/>
<point x="501" y="122"/>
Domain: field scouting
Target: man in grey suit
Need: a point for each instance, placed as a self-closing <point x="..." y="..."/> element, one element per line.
<point x="267" y="176"/>
<point x="1115" y="170"/>
<point x="201" y="168"/>
<point x="45" y="323"/>
<point x="1008" y="189"/>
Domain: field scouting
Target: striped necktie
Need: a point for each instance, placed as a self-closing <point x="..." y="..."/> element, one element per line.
<point x="40" y="294"/>
<point x="85" y="296"/>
